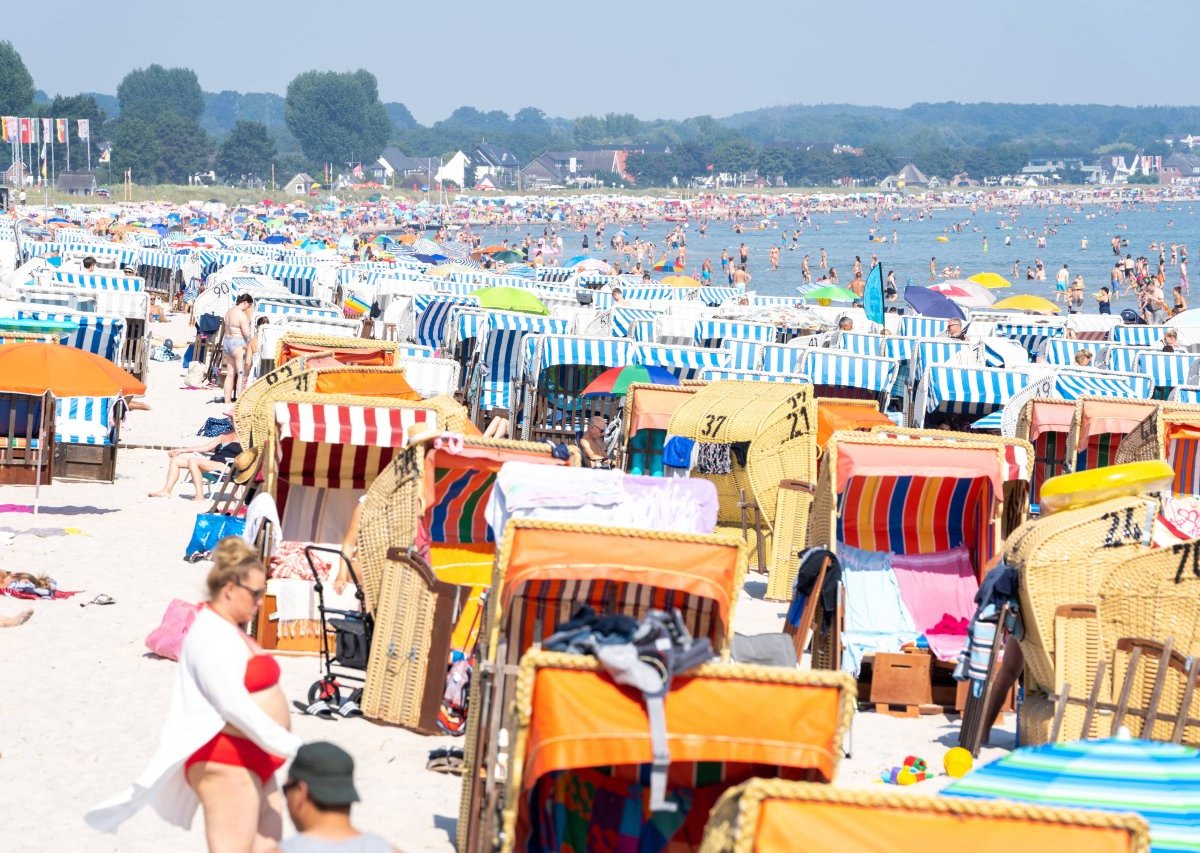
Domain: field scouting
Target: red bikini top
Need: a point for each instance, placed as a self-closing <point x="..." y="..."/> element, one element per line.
<point x="262" y="671"/>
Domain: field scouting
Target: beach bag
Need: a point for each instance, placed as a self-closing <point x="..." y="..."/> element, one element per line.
<point x="211" y="528"/>
<point x="166" y="640"/>
<point x="214" y="427"/>
<point x="196" y="375"/>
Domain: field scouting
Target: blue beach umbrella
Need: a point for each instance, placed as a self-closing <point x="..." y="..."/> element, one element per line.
<point x="930" y="303"/>
<point x="1159" y="781"/>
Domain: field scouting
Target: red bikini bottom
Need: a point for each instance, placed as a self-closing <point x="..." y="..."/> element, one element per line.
<point x="236" y="752"/>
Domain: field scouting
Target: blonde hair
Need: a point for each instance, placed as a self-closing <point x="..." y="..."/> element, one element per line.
<point x="233" y="560"/>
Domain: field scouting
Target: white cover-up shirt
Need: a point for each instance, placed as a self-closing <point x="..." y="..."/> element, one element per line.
<point x="209" y="692"/>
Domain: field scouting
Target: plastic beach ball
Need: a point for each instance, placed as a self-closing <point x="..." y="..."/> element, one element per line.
<point x="958" y="762"/>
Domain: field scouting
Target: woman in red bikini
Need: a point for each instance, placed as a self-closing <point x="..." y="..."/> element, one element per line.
<point x="227" y="731"/>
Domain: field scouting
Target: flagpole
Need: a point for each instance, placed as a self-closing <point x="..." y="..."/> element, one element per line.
<point x="68" y="121"/>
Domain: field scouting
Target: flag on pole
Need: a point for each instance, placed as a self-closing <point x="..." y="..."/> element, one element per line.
<point x="60" y="130"/>
<point x="106" y="155"/>
<point x="44" y="157"/>
<point x="8" y="128"/>
<point x="46" y="129"/>
<point x="85" y="128"/>
<point x="28" y="131"/>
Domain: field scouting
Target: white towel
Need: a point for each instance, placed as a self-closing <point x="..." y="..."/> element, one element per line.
<point x="297" y="599"/>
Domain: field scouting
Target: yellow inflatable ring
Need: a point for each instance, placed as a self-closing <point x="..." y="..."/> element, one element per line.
<point x="1072" y="491"/>
<point x="942" y="239"/>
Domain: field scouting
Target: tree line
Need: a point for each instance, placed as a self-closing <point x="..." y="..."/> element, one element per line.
<point x="165" y="128"/>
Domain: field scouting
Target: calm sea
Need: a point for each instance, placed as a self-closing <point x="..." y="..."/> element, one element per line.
<point x="845" y="236"/>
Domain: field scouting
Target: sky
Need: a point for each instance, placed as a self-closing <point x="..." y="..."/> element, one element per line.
<point x="653" y="58"/>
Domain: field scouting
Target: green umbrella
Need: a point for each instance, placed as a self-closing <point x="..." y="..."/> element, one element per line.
<point x="831" y="292"/>
<point x="510" y="299"/>
<point x="508" y="257"/>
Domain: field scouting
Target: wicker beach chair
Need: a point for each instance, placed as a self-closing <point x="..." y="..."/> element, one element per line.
<point x="776" y="425"/>
<point x="1046" y="424"/>
<point x="428" y="608"/>
<point x="1171" y="432"/>
<point x="773" y="814"/>
<point x="1062" y="560"/>
<point x="544" y="570"/>
<point x="580" y="739"/>
<point x="1155" y="595"/>
<point x="890" y="491"/>
<point x="648" y="407"/>
<point x="1099" y="426"/>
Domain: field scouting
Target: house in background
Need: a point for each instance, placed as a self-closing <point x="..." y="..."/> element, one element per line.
<point x="399" y="167"/>
<point x="497" y="163"/>
<point x="1181" y="169"/>
<point x="542" y="173"/>
<point x="909" y="176"/>
<point x="302" y="184"/>
<point x="76" y="183"/>
<point x="454" y="170"/>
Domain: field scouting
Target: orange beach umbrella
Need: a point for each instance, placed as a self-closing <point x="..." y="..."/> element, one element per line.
<point x="63" y="371"/>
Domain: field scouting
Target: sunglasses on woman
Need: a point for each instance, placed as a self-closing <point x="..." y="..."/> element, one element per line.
<point x="257" y="593"/>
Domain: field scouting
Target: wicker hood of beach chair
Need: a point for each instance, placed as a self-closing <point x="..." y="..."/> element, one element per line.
<point x="1099" y="426"/>
<point x="778" y="422"/>
<point x="1062" y="559"/>
<point x="574" y="722"/>
<point x="770" y="814"/>
<point x="1154" y="596"/>
<point x="1172" y="432"/>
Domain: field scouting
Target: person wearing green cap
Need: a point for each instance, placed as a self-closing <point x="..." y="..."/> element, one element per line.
<point x="319" y="791"/>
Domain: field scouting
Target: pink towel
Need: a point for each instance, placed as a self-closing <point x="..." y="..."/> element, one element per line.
<point x="16" y="508"/>
<point x="934" y="586"/>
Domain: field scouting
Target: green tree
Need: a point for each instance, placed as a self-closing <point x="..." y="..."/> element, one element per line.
<point x="588" y="130"/>
<point x="400" y="116"/>
<point x="773" y="162"/>
<point x="337" y="117"/>
<point x="531" y="120"/>
<point x="135" y="146"/>
<point x="150" y="93"/>
<point x="185" y="148"/>
<point x="16" y="84"/>
<point x="737" y="157"/>
<point x="248" y="151"/>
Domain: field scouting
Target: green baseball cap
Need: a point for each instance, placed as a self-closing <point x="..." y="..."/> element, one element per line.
<point x="328" y="770"/>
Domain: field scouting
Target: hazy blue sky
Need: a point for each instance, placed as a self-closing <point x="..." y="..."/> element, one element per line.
<point x="654" y="58"/>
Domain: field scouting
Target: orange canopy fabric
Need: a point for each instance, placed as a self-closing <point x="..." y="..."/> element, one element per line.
<point x="708" y="569"/>
<point x="840" y="826"/>
<point x="582" y="719"/>
<point x="367" y="357"/>
<point x="834" y="416"/>
<point x="63" y="371"/>
<point x="375" y="384"/>
<point x="652" y="408"/>
<point x="1050" y="417"/>
<point x="1111" y="416"/>
<point x="909" y="459"/>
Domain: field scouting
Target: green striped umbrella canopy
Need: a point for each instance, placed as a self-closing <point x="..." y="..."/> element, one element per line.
<point x="1159" y="781"/>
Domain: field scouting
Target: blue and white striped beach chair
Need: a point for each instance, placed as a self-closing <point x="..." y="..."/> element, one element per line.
<point x="86" y="433"/>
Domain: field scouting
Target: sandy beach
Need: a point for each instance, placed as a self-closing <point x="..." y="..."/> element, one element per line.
<point x="85" y="701"/>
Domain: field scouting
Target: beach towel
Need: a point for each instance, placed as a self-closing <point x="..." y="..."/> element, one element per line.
<point x="876" y="618"/>
<point x="296" y="605"/>
<point x="16" y="508"/>
<point x="29" y="595"/>
<point x="939" y="591"/>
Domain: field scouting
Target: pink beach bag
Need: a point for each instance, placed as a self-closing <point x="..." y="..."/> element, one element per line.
<point x="166" y="640"/>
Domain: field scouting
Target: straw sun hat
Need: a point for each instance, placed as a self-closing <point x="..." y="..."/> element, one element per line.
<point x="245" y="465"/>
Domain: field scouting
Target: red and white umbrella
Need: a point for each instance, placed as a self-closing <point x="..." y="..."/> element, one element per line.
<point x="964" y="292"/>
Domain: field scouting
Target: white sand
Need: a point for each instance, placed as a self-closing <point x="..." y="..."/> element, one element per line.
<point x="84" y="702"/>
